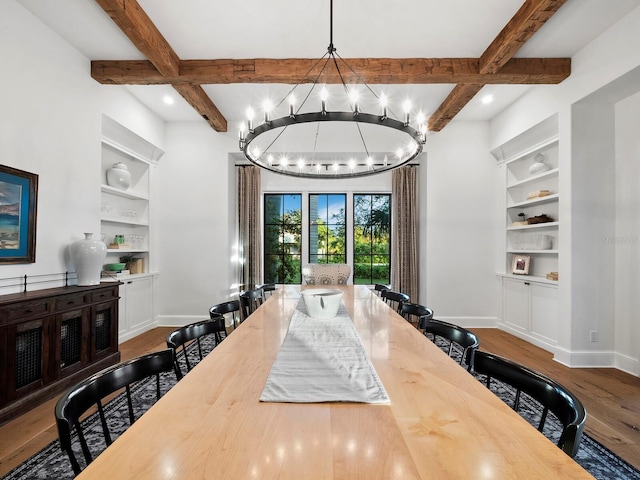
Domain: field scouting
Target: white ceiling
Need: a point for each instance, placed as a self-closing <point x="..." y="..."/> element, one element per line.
<point x="215" y="29"/>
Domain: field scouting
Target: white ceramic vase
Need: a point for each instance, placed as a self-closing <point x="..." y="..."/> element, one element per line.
<point x="538" y="165"/>
<point x="88" y="256"/>
<point x="119" y="176"/>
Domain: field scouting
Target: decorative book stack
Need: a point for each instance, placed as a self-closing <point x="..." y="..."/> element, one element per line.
<point x="539" y="194"/>
<point x="552" y="276"/>
<point x="121" y="246"/>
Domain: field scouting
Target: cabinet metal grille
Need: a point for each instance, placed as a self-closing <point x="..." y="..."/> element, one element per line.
<point x="71" y="341"/>
<point x="28" y="357"/>
<point x="103" y="330"/>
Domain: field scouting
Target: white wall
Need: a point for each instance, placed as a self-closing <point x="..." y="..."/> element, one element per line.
<point x="194" y="242"/>
<point x="50" y="124"/>
<point x="460" y="226"/>
<point x="592" y="219"/>
<point x="627" y="234"/>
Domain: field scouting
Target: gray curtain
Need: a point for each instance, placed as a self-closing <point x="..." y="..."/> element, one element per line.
<point x="250" y="228"/>
<point x="404" y="244"/>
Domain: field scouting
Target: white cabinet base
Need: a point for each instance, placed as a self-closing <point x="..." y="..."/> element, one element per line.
<point x="136" y="307"/>
<point x="530" y="311"/>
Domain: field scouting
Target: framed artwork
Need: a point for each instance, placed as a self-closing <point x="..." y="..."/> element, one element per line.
<point x="18" y="207"/>
<point x="520" y="264"/>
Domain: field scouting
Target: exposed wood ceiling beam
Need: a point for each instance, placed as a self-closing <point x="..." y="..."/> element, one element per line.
<point x="531" y="16"/>
<point x="451" y="106"/>
<point x="495" y="66"/>
<point x="370" y="70"/>
<point x="198" y="99"/>
<point x="134" y="22"/>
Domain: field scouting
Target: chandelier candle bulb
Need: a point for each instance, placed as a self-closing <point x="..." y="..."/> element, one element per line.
<point x="323" y="99"/>
<point x="292" y="104"/>
<point x="354" y="102"/>
<point x="267" y="110"/>
<point x="407" y="111"/>
<point x="250" y="115"/>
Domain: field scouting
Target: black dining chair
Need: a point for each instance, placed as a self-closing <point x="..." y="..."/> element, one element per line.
<point x="231" y="307"/>
<point x="552" y="396"/>
<point x="394" y="299"/>
<point x="180" y="339"/>
<point x="379" y="287"/>
<point x="90" y="392"/>
<point x="250" y="300"/>
<point x="267" y="290"/>
<point x="458" y="341"/>
<point x="416" y="314"/>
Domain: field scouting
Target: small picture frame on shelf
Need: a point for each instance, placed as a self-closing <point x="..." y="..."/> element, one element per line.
<point x="520" y="264"/>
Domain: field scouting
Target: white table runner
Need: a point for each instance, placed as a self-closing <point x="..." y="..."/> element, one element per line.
<point x="323" y="360"/>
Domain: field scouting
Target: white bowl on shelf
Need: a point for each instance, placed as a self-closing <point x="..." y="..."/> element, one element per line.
<point x="322" y="302"/>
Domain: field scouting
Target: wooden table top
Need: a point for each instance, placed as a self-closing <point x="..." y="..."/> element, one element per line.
<point x="441" y="422"/>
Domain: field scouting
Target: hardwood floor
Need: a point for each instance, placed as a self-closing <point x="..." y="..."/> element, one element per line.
<point x="611" y="397"/>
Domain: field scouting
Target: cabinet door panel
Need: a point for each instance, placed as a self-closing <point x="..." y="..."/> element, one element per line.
<point x="544" y="311"/>
<point x="139" y="304"/>
<point x="72" y="352"/>
<point x="516" y="304"/>
<point x="104" y="330"/>
<point x="28" y="363"/>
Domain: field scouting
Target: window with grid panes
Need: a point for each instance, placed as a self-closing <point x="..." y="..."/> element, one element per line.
<point x="282" y="238"/>
<point x="371" y="238"/>
<point x="327" y="228"/>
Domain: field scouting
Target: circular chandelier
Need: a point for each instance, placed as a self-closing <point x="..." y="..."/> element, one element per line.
<point x="385" y="142"/>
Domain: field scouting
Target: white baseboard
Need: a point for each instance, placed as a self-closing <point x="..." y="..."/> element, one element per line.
<point x="123" y="337"/>
<point x="585" y="358"/>
<point x="527" y="336"/>
<point x="628" y="364"/>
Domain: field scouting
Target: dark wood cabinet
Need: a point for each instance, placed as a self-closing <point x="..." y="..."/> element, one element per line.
<point x="53" y="338"/>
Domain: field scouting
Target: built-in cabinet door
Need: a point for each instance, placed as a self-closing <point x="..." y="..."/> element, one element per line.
<point x="136" y="307"/>
<point x="516" y="303"/>
<point x="530" y="310"/>
<point x="544" y="311"/>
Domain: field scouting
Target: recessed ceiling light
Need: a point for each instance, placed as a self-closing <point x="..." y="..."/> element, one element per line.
<point x="168" y="99"/>
<point x="487" y="99"/>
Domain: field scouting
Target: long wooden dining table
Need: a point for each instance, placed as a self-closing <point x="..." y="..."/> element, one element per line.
<point x="441" y="423"/>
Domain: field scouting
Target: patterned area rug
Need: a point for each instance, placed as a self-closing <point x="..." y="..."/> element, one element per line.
<point x="51" y="462"/>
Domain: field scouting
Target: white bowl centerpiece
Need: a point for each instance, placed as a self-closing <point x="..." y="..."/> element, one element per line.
<point x="322" y="302"/>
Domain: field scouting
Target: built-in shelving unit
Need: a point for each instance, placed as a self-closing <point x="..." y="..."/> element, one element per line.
<point x="129" y="213"/>
<point x="530" y="302"/>
<point x="538" y="240"/>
